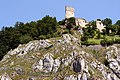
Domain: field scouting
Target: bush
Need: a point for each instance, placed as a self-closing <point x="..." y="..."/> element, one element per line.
<point x="25" y="38"/>
<point x="106" y="42"/>
<point x="84" y="38"/>
<point x="76" y="27"/>
<point x="117" y="41"/>
<point x="42" y="37"/>
<point x="65" y="31"/>
<point x="61" y="22"/>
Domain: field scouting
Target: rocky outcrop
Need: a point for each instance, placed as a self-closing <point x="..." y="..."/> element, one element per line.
<point x="5" y="76"/>
<point x="68" y="38"/>
<point x="56" y="65"/>
<point x="59" y="59"/>
<point x="113" y="58"/>
<point x="77" y="66"/>
<point x="47" y="64"/>
<point x="26" y="48"/>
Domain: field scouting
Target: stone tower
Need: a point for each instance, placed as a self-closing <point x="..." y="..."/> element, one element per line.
<point x="69" y="12"/>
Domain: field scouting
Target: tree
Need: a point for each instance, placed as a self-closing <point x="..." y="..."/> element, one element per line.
<point x="25" y="39"/>
<point x="93" y="24"/>
<point x="18" y="25"/>
<point x="118" y="23"/>
<point x="91" y="29"/>
<point x="62" y="22"/>
<point x="20" y="33"/>
<point x="108" y="23"/>
<point x="70" y="23"/>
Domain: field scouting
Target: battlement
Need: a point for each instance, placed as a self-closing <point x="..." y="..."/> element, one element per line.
<point x="68" y="8"/>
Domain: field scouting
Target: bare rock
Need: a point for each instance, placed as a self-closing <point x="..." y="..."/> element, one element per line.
<point x="5" y="76"/>
<point x="56" y="65"/>
<point x="48" y="62"/>
<point x="77" y="66"/>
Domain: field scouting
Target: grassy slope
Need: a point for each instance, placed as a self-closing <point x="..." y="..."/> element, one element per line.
<point x="97" y="41"/>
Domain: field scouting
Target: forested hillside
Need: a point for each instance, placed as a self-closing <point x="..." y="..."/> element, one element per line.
<point x="21" y="33"/>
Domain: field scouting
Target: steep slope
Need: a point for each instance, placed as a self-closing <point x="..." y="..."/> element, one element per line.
<point x="60" y="58"/>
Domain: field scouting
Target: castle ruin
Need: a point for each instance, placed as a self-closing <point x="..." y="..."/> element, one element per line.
<point x="80" y="22"/>
<point x="69" y="12"/>
<point x="99" y="25"/>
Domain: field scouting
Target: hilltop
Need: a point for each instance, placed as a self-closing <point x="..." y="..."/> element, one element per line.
<point x="96" y="32"/>
<point x="64" y="50"/>
<point x="60" y="58"/>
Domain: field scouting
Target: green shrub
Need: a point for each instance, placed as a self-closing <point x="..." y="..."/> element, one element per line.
<point x="42" y="37"/>
<point x="25" y="38"/>
<point x="65" y="31"/>
<point x="76" y="27"/>
<point x="117" y="41"/>
<point x="106" y="42"/>
<point x="84" y="38"/>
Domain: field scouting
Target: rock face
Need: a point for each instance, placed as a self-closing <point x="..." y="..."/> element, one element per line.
<point x="113" y="58"/>
<point x="5" y="76"/>
<point x="77" y="66"/>
<point x="31" y="46"/>
<point x="59" y="59"/>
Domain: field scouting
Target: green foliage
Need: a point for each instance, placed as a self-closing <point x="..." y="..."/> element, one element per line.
<point x="107" y="21"/>
<point x="110" y="40"/>
<point x="48" y="27"/>
<point x="76" y="27"/>
<point x="94" y="41"/>
<point x="99" y="35"/>
<point x="117" y="23"/>
<point x="9" y="39"/>
<point x="70" y="23"/>
<point x="117" y="27"/>
<point x="25" y="39"/>
<point x="62" y="22"/>
<point x="91" y="31"/>
<point x="21" y="33"/>
<point x="65" y="31"/>
<point x="91" y="42"/>
<point x="84" y="38"/>
<point x="106" y="42"/>
<point x="117" y="41"/>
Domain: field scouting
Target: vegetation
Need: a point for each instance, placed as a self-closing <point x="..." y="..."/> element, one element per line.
<point x="48" y="27"/>
<point x="108" y="36"/>
<point x="21" y="33"/>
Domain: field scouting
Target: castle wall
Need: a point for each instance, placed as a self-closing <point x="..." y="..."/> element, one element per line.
<point x="69" y="11"/>
<point x="99" y="25"/>
<point x="80" y="22"/>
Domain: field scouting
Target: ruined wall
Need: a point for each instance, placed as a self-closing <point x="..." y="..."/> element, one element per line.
<point x="80" y="22"/>
<point x="99" y="25"/>
<point x="69" y="11"/>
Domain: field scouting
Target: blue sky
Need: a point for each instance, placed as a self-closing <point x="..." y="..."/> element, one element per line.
<point x="12" y="11"/>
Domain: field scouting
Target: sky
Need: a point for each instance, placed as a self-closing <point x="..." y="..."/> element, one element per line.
<point x="12" y="11"/>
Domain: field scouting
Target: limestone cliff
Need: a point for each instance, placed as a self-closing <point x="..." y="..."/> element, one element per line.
<point x="60" y="58"/>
